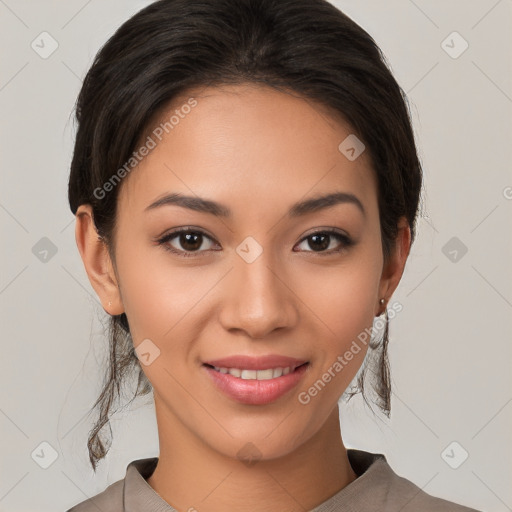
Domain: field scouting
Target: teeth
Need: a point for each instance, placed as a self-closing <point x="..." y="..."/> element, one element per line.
<point x="270" y="373"/>
<point x="263" y="374"/>
<point x="235" y="372"/>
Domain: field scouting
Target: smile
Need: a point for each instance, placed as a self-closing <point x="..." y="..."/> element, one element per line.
<point x="256" y="380"/>
<point x="270" y="373"/>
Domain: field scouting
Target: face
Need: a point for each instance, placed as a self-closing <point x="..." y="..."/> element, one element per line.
<point x="263" y="289"/>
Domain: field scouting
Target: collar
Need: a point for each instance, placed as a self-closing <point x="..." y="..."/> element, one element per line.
<point x="370" y="468"/>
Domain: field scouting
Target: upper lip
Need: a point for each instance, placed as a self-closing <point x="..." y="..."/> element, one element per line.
<point x="244" y="362"/>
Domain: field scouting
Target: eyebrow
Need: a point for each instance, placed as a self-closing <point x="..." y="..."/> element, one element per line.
<point x="300" y="208"/>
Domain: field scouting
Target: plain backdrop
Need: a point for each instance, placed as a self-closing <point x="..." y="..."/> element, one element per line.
<point x="450" y="346"/>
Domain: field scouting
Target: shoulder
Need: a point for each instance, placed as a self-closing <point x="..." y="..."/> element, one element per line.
<point x="408" y="497"/>
<point x="110" y="500"/>
<point x="378" y="487"/>
<point x="127" y="492"/>
<point x="413" y="498"/>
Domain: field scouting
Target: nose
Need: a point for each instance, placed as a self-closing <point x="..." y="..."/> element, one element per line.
<point x="258" y="300"/>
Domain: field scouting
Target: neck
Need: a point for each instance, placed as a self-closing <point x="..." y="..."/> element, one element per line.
<point x="191" y="475"/>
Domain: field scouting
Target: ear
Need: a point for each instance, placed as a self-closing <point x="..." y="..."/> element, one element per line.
<point x="394" y="267"/>
<point x="97" y="262"/>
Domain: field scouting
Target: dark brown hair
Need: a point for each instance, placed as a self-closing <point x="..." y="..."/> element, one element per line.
<point x="308" y="47"/>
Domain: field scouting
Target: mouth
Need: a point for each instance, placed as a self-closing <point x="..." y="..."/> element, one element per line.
<point x="261" y="374"/>
<point x="256" y="380"/>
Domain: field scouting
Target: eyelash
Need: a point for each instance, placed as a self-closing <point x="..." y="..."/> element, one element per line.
<point x="346" y="242"/>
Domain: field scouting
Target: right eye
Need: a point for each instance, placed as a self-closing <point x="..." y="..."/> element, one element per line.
<point x="190" y="240"/>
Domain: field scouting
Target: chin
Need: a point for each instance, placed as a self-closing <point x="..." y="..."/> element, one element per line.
<point x="260" y="444"/>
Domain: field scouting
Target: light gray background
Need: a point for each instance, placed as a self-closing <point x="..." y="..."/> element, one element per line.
<point x="450" y="347"/>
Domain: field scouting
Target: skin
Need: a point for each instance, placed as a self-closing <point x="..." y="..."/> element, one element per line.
<point x="256" y="151"/>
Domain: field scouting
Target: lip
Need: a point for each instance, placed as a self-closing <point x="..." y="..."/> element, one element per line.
<point x="252" y="391"/>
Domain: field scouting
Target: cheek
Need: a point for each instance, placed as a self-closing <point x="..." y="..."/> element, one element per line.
<point x="160" y="297"/>
<point x="161" y="301"/>
<point x="342" y="301"/>
<point x="152" y="294"/>
<point x="347" y="301"/>
<point x="342" y="297"/>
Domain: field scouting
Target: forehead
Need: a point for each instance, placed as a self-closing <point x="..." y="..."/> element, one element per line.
<point x="248" y="145"/>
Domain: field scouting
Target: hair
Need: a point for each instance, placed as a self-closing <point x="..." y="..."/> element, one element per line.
<point x="307" y="47"/>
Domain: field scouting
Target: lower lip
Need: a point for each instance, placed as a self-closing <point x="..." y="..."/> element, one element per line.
<point x="256" y="392"/>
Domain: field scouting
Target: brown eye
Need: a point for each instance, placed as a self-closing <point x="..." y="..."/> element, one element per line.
<point x="190" y="241"/>
<point x="319" y="242"/>
<point x="325" y="242"/>
<point x="186" y="242"/>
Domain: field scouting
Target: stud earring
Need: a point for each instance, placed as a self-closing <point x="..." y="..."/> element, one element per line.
<point x="382" y="302"/>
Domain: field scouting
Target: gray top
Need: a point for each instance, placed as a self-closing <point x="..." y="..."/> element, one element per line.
<point x="376" y="488"/>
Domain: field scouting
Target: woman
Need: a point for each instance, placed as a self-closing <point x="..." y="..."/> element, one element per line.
<point x="246" y="183"/>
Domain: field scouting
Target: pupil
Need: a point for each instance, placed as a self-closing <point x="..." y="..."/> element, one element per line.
<point x="324" y="243"/>
<point x="191" y="241"/>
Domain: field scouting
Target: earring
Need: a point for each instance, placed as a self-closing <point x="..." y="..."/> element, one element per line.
<point x="109" y="303"/>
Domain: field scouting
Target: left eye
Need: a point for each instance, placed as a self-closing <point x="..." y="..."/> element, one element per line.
<point x="321" y="241"/>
